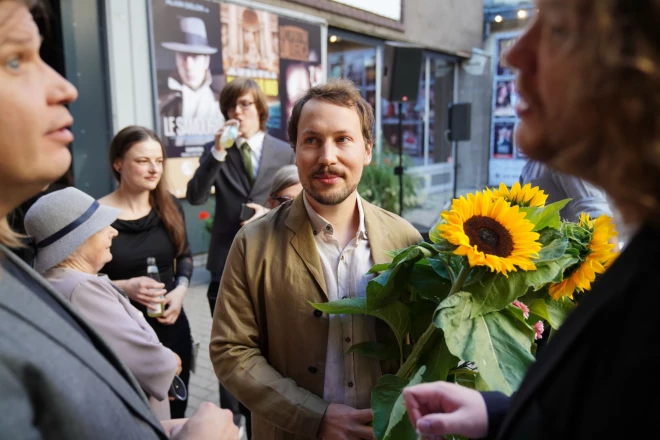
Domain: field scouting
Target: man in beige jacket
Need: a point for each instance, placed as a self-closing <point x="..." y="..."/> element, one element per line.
<point x="282" y="359"/>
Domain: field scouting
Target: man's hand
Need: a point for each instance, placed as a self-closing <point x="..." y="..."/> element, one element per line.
<point x="259" y="211"/>
<point x="174" y="305"/>
<point x="341" y="422"/>
<point x="218" y="134"/>
<point x="143" y="290"/>
<point x="207" y="423"/>
<point x="442" y="408"/>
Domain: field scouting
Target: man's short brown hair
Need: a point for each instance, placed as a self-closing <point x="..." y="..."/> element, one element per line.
<point x="239" y="87"/>
<point x="339" y="92"/>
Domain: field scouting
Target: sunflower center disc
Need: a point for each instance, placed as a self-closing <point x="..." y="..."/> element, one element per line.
<point x="489" y="236"/>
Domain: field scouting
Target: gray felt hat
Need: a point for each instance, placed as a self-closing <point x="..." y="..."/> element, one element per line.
<point x="61" y="221"/>
<point x="190" y="37"/>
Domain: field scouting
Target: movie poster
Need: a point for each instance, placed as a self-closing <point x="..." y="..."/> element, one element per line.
<point x="250" y="47"/>
<point x="300" y="63"/>
<point x="506" y="162"/>
<point x="198" y="47"/>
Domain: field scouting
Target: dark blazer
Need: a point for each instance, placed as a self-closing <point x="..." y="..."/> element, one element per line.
<point x="597" y="376"/>
<point x="232" y="188"/>
<point x="57" y="381"/>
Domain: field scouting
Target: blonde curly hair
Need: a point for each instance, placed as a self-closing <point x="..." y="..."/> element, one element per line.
<point x="619" y="49"/>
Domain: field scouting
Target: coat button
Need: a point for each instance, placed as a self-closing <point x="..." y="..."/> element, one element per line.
<point x="312" y="370"/>
<point x="348" y="339"/>
<point x="318" y="313"/>
<point x="350" y="384"/>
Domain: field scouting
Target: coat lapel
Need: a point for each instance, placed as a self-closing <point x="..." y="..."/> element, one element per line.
<point x="237" y="169"/>
<point x="303" y="241"/>
<point x="267" y="157"/>
<point x="100" y="360"/>
<point x="613" y="282"/>
<point x="377" y="234"/>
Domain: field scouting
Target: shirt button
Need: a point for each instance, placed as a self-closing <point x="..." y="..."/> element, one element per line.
<point x="348" y="339"/>
<point x="312" y="369"/>
<point x="350" y="384"/>
<point x="327" y="228"/>
<point x="342" y="258"/>
<point x="315" y="232"/>
<point x="318" y="313"/>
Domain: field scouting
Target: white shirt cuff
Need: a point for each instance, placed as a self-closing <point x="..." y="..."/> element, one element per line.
<point x="218" y="155"/>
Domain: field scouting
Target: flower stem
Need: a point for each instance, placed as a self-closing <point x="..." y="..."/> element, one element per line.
<point x="408" y="368"/>
<point x="461" y="278"/>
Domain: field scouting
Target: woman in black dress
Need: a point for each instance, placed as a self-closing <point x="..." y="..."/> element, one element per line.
<point x="151" y="224"/>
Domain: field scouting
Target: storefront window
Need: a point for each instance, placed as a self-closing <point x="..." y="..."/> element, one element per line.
<point x="356" y="62"/>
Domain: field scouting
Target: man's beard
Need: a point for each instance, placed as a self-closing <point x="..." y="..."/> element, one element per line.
<point x="331" y="197"/>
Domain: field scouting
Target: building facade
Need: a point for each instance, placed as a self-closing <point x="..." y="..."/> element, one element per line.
<point x="121" y="54"/>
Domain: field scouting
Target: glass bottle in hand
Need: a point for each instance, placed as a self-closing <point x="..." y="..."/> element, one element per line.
<point x="152" y="272"/>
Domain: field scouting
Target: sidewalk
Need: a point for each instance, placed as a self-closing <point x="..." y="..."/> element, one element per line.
<point x="203" y="384"/>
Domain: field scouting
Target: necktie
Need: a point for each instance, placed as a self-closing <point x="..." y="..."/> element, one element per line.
<point x="247" y="161"/>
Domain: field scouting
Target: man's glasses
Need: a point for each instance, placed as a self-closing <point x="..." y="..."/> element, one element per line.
<point x="244" y="105"/>
<point x="282" y="199"/>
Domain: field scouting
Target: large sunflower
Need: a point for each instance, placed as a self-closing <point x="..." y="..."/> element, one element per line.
<point x="490" y="232"/>
<point x="595" y="257"/>
<point x="522" y="196"/>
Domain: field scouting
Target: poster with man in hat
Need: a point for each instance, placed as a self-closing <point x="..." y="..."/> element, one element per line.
<point x="189" y="70"/>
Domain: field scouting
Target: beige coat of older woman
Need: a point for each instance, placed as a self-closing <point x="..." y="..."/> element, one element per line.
<point x="124" y="328"/>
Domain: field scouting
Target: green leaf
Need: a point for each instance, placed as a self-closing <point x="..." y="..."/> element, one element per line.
<point x="555" y="312"/>
<point x="442" y="267"/>
<point x="398" y="414"/>
<point x="349" y="306"/>
<point x="389" y="285"/>
<point x="498" y="342"/>
<point x="376" y="350"/>
<point x="552" y="251"/>
<point x="548" y="217"/>
<point x="395" y="314"/>
<point x="425" y="283"/>
<point x="548" y="235"/>
<point x="495" y="291"/>
<point x="379" y="268"/>
<point x="438" y="360"/>
<point x="421" y="316"/>
<point x="383" y="397"/>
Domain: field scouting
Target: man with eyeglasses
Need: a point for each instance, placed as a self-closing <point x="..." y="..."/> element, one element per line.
<point x="242" y="175"/>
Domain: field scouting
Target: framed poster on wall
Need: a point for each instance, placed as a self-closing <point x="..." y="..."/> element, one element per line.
<point x="198" y="46"/>
<point x="506" y="162"/>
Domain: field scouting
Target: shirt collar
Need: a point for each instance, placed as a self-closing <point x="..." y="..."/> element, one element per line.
<point x="256" y="142"/>
<point x="320" y="224"/>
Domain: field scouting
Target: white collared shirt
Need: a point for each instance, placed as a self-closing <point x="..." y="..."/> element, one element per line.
<point x="256" y="144"/>
<point x="349" y="378"/>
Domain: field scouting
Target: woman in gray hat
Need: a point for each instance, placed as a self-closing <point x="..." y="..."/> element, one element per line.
<point x="72" y="235"/>
<point x="286" y="186"/>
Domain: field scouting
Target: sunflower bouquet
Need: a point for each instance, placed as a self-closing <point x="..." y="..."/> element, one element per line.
<point x="502" y="268"/>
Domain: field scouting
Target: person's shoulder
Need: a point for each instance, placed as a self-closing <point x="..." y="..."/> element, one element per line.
<point x="394" y="223"/>
<point x="265" y="226"/>
<point x="275" y="142"/>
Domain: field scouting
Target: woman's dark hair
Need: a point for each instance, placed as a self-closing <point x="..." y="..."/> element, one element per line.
<point x="160" y="198"/>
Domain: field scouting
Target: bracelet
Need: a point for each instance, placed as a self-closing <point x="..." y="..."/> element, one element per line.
<point x="182" y="281"/>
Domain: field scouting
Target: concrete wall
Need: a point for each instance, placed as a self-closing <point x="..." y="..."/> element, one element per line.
<point x="475" y="86"/>
<point x="452" y="26"/>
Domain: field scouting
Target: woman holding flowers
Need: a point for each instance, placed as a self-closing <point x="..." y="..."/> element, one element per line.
<point x="589" y="81"/>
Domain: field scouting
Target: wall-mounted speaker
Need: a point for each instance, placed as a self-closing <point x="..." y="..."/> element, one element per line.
<point x="460" y="118"/>
<point x="402" y="67"/>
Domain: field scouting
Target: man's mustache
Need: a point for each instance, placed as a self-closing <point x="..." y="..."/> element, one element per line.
<point x="328" y="171"/>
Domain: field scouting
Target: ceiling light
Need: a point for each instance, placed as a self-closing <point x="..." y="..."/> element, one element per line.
<point x="522" y="14"/>
<point x="498" y="19"/>
<point x="333" y="38"/>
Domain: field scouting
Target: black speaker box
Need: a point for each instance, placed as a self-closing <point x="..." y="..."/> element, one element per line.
<point x="402" y="67"/>
<point x="460" y="118"/>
